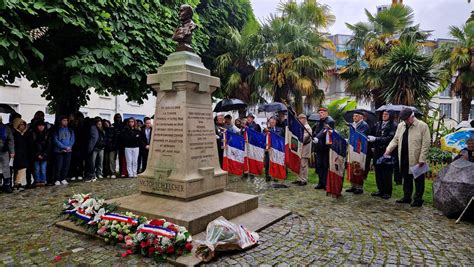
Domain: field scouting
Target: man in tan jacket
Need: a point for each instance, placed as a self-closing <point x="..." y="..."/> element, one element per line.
<point x="306" y="153"/>
<point x="413" y="140"/>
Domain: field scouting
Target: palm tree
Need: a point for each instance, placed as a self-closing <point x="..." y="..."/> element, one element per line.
<point x="368" y="73"/>
<point x="235" y="67"/>
<point x="410" y="74"/>
<point x="291" y="60"/>
<point x="457" y="65"/>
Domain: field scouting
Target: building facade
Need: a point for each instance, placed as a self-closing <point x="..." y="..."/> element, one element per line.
<point x="27" y="100"/>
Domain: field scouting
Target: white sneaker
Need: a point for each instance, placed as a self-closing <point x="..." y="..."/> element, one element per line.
<point x="93" y="180"/>
<point x="100" y="176"/>
<point x="73" y="179"/>
<point x="113" y="176"/>
<point x="79" y="178"/>
<point x="57" y="183"/>
<point x="64" y="182"/>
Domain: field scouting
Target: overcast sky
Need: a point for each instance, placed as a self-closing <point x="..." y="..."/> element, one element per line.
<point x="435" y="15"/>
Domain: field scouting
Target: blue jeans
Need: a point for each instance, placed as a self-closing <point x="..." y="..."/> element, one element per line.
<point x="40" y="171"/>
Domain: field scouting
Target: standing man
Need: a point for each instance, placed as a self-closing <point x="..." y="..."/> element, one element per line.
<point x="413" y="140"/>
<point x="120" y="151"/>
<point x="322" y="150"/>
<point x="146" y="135"/>
<point x="63" y="140"/>
<point x="7" y="151"/>
<point x="252" y="124"/>
<point x="272" y="127"/>
<point x="219" y="129"/>
<point x="306" y="154"/>
<point x="383" y="133"/>
<point x="357" y="181"/>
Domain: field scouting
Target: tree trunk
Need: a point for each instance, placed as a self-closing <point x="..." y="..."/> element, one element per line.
<point x="466" y="98"/>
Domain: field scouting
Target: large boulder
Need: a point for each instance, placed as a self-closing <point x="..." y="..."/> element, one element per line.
<point x="454" y="187"/>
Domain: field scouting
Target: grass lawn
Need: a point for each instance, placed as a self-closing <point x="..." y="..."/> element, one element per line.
<point x="370" y="185"/>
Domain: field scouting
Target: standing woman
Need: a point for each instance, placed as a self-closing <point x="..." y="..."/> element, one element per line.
<point x="39" y="144"/>
<point x="21" y="159"/>
<point x="131" y="138"/>
<point x="382" y="133"/>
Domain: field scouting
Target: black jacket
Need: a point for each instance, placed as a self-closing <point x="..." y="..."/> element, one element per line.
<point x="318" y="131"/>
<point x="21" y="159"/>
<point x="145" y="141"/>
<point x="110" y="139"/>
<point x="131" y="138"/>
<point x="39" y="144"/>
<point x="254" y="126"/>
<point x="383" y="137"/>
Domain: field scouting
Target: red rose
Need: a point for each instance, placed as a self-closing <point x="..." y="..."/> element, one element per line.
<point x="120" y="237"/>
<point x="129" y="251"/>
<point x="160" y="250"/>
<point x="143" y="244"/>
<point x="170" y="250"/>
<point x="125" y="254"/>
<point x="57" y="258"/>
<point x="173" y="228"/>
<point x="151" y="250"/>
<point x="155" y="241"/>
<point x="157" y="222"/>
<point x="188" y="246"/>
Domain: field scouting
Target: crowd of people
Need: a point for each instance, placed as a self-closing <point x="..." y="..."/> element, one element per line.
<point x="395" y="145"/>
<point x="75" y="148"/>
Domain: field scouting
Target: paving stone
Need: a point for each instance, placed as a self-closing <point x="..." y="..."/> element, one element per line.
<point x="353" y="230"/>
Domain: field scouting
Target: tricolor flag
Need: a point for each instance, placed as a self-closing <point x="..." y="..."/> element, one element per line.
<point x="234" y="153"/>
<point x="357" y="155"/>
<point x="337" y="160"/>
<point x="276" y="152"/>
<point x="254" y="151"/>
<point x="293" y="143"/>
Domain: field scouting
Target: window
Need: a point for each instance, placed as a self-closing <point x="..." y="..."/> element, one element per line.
<point x="445" y="93"/>
<point x="445" y="110"/>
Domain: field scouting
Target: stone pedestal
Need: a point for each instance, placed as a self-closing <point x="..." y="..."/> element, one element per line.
<point x="183" y="161"/>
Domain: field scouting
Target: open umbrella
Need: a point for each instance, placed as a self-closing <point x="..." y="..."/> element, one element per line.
<point x="455" y="142"/>
<point x="4" y="108"/>
<point x="453" y="188"/>
<point x="272" y="107"/>
<point x="314" y="117"/>
<point x="229" y="104"/>
<point x="397" y="108"/>
<point x="370" y="117"/>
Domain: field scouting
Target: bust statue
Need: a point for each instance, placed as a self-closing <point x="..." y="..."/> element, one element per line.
<point x="184" y="33"/>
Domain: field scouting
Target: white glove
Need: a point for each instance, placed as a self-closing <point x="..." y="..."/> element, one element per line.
<point x="217" y="136"/>
<point x="315" y="140"/>
<point x="371" y="138"/>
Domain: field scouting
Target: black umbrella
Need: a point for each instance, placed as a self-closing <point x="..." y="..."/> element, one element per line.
<point x="229" y="104"/>
<point x="397" y="108"/>
<point x="4" y="108"/>
<point x="369" y="116"/>
<point x="272" y="107"/>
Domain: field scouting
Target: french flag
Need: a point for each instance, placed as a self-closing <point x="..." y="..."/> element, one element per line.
<point x="337" y="159"/>
<point x="358" y="144"/>
<point x="276" y="151"/>
<point x="293" y="143"/>
<point x="234" y="153"/>
<point x="254" y="151"/>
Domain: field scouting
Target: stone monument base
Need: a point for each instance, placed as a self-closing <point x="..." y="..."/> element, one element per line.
<point x="195" y="214"/>
<point x="255" y="220"/>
